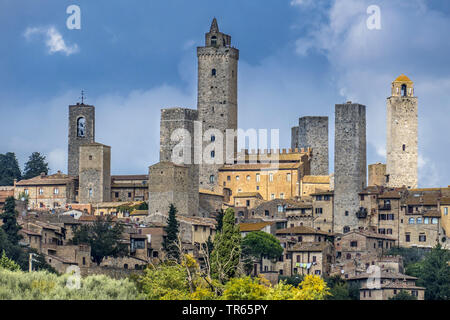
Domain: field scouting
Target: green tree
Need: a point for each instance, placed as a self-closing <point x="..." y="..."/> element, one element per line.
<point x="171" y="239"/>
<point x="9" y="169"/>
<point x="339" y="289"/>
<point x="219" y="219"/>
<point x="434" y="274"/>
<point x="9" y="217"/>
<point x="105" y="238"/>
<point x="35" y="165"/>
<point x="258" y="244"/>
<point x="7" y="263"/>
<point x="403" y="295"/>
<point x="227" y="249"/>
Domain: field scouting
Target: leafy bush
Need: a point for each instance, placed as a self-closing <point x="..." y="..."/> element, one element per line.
<point x="19" y="285"/>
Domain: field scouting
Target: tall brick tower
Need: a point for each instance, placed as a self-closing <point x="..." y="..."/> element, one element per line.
<point x="350" y="164"/>
<point x="217" y="101"/>
<point x="402" y="136"/>
<point x="81" y="131"/>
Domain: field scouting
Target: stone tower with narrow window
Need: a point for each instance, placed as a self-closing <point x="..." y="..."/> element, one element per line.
<point x="217" y="102"/>
<point x="350" y="164"/>
<point x="81" y="131"/>
<point x="402" y="136"/>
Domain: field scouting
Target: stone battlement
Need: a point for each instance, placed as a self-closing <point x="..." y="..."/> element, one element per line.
<point x="275" y="151"/>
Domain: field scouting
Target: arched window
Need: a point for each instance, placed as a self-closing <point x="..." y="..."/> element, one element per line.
<point x="213" y="41"/>
<point x="211" y="178"/>
<point x="213" y="72"/>
<point x="125" y="266"/>
<point x="404" y="92"/>
<point x="213" y="138"/>
<point x="81" y="127"/>
<point x="213" y="154"/>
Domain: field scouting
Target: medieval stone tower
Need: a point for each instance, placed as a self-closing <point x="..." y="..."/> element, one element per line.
<point x="312" y="132"/>
<point x="350" y="166"/>
<point x="81" y="131"/>
<point x="95" y="173"/>
<point x="175" y="178"/>
<point x="402" y="136"/>
<point x="217" y="101"/>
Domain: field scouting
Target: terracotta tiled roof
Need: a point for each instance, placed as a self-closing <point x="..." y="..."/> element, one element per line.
<point x="384" y="275"/>
<point x="248" y="195"/>
<point x="139" y="213"/>
<point x="432" y="214"/>
<point x="131" y="177"/>
<point x="426" y="199"/>
<point x="316" y="179"/>
<point x="213" y="193"/>
<point x="369" y="235"/>
<point x="249" y="227"/>
<point x="54" y="179"/>
<point x="301" y="230"/>
<point x="390" y="195"/>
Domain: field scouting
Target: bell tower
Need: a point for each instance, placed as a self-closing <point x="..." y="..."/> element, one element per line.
<point x="217" y="101"/>
<point x="402" y="135"/>
<point x="81" y="131"/>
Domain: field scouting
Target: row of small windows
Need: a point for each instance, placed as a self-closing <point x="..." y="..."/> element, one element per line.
<point x="424" y="221"/>
<point x="422" y="237"/>
<point x="41" y="191"/>
<point x="258" y="177"/>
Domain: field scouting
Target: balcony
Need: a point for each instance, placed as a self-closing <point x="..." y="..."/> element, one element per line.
<point x="361" y="213"/>
<point x="384" y="207"/>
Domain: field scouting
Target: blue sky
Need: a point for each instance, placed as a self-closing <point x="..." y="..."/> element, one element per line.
<point x="297" y="58"/>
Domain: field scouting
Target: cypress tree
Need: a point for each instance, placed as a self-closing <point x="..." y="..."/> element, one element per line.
<point x="171" y="239"/>
<point x="9" y="217"/>
<point x="227" y="249"/>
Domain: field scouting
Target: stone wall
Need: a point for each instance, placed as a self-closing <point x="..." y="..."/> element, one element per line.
<point x="377" y="174"/>
<point x="95" y="173"/>
<point x="313" y="133"/>
<point x="350" y="167"/>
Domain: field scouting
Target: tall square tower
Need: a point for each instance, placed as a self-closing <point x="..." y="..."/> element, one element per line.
<point x="81" y="131"/>
<point x="350" y="164"/>
<point x="217" y="101"/>
<point x="402" y="135"/>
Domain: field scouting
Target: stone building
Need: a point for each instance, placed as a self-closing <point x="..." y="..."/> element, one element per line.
<point x="350" y="167"/>
<point x="179" y="147"/>
<point x="81" y="131"/>
<point x="279" y="179"/>
<point x="95" y="173"/>
<point x="312" y="132"/>
<point x="402" y="135"/>
<point x="323" y="211"/>
<point x="5" y="192"/>
<point x="47" y="192"/>
<point x="313" y="184"/>
<point x="377" y="174"/>
<point x="129" y="188"/>
<point x="217" y="101"/>
<point x="170" y="183"/>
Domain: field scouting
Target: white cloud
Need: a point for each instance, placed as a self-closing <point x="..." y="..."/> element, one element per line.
<point x="53" y="40"/>
<point x="364" y="63"/>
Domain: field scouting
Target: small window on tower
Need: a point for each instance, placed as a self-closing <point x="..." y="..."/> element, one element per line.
<point x="404" y="93"/>
<point x="213" y="138"/>
<point x="213" y="72"/>
<point x="211" y="179"/>
<point x="213" y="41"/>
<point x="404" y="147"/>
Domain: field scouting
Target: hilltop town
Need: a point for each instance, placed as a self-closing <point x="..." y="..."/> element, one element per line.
<point x="337" y="221"/>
